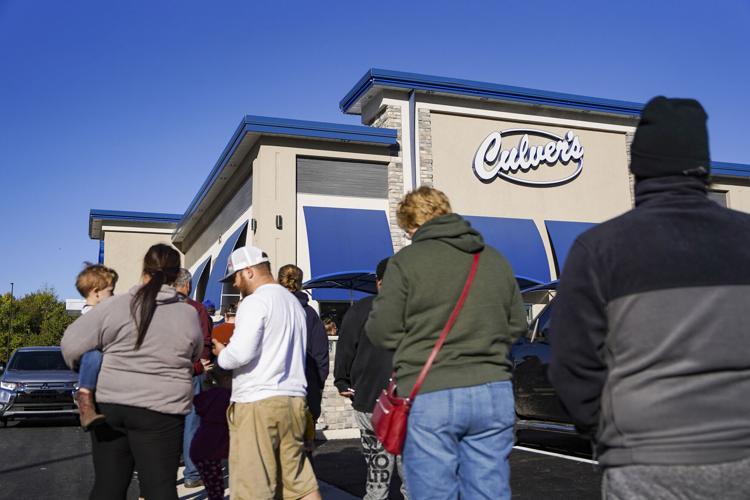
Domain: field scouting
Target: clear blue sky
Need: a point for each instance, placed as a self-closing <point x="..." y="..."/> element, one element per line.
<point x="127" y="105"/>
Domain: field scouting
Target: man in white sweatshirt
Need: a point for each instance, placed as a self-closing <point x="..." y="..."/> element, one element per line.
<point x="267" y="411"/>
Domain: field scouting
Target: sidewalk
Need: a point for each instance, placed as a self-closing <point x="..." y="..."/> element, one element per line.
<point x="535" y="473"/>
<point x="327" y="491"/>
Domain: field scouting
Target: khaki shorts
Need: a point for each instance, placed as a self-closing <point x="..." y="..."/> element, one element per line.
<point x="266" y="456"/>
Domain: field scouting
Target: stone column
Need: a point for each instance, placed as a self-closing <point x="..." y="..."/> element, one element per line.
<point x="628" y="142"/>
<point x="390" y="117"/>
<point x="425" y="148"/>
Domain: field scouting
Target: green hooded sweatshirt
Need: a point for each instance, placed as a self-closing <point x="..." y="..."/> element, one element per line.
<point x="420" y="289"/>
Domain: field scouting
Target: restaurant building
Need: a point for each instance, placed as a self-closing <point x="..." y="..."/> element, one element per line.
<point x="530" y="169"/>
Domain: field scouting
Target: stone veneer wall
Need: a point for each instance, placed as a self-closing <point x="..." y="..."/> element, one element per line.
<point x="629" y="142"/>
<point x="337" y="410"/>
<point x="390" y="117"/>
<point x="424" y="126"/>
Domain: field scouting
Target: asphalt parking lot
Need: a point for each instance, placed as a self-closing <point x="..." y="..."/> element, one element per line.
<point x="51" y="459"/>
<point x="543" y="466"/>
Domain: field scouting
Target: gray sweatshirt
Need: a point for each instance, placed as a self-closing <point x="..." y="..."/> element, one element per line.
<point x="158" y="376"/>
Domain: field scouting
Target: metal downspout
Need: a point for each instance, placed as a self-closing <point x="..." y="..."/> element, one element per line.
<point x="413" y="137"/>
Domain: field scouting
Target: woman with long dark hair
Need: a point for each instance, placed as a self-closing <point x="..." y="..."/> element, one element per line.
<point x="150" y="339"/>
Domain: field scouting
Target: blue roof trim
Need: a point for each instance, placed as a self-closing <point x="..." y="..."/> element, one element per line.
<point x="265" y="125"/>
<point x="730" y="169"/>
<point x="133" y="216"/>
<point x="97" y="216"/>
<point x="413" y="81"/>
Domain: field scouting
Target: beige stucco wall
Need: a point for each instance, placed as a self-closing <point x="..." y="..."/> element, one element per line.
<point x="227" y="213"/>
<point x="275" y="189"/>
<point x="738" y="192"/>
<point x="601" y="191"/>
<point x="124" y="251"/>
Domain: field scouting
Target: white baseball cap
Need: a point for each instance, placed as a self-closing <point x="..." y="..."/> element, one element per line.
<point x="240" y="259"/>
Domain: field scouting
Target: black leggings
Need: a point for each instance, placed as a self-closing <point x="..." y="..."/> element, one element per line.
<point x="132" y="437"/>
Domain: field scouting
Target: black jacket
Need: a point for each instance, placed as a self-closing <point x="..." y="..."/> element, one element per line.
<point x="359" y="365"/>
<point x="316" y="359"/>
<point x="650" y="336"/>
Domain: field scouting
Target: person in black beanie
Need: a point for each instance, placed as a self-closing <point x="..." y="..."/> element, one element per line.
<point x="649" y="331"/>
<point x="361" y="371"/>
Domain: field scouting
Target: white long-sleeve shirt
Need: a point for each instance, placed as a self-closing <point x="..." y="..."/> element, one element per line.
<point x="267" y="351"/>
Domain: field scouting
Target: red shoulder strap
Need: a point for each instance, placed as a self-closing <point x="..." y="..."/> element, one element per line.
<point x="447" y="328"/>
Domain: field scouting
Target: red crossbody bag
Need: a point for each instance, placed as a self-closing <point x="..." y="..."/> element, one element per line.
<point x="391" y="413"/>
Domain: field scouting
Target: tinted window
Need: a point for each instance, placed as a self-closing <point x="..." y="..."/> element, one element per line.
<point x="38" y="360"/>
<point x="542" y="327"/>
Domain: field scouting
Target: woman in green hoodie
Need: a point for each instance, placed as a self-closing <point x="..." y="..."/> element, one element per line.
<point x="460" y="430"/>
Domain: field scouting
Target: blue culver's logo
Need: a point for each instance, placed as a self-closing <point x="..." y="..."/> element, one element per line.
<point x="520" y="164"/>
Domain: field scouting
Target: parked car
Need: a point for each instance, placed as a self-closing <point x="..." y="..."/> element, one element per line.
<point x="36" y="382"/>
<point x="537" y="405"/>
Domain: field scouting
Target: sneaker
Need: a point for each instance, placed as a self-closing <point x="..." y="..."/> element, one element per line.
<point x="193" y="483"/>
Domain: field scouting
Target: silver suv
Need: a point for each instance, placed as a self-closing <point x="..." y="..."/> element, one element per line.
<point x="36" y="382"/>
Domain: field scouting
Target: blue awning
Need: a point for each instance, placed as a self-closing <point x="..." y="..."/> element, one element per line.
<point x="219" y="268"/>
<point x="562" y="234"/>
<point x="519" y="241"/>
<point x="342" y="239"/>
<point x="355" y="281"/>
<point x="197" y="276"/>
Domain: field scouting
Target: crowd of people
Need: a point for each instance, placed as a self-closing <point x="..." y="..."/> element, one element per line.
<point x="649" y="353"/>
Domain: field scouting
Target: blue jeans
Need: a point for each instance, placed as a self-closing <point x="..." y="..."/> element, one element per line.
<point x="458" y="442"/>
<point x="88" y="371"/>
<point x="192" y="421"/>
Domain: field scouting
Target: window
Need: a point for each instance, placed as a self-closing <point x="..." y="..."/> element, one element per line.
<point x="38" y="360"/>
<point x="719" y="197"/>
<point x="342" y="178"/>
<point x="540" y="327"/>
<point x="229" y="294"/>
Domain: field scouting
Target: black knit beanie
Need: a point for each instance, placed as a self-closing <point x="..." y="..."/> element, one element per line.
<point x="671" y="139"/>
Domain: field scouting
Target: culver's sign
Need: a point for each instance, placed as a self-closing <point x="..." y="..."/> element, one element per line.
<point x="563" y="157"/>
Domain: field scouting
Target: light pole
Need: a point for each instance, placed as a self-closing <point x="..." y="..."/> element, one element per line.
<point x="10" y="327"/>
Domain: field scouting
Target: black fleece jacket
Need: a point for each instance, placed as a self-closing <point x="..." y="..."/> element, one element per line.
<point x="316" y="357"/>
<point x="649" y="330"/>
<point x="359" y="365"/>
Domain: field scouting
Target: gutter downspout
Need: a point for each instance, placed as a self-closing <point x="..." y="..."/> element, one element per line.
<point x="413" y="137"/>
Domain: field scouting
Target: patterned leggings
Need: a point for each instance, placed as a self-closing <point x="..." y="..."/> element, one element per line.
<point x="212" y="475"/>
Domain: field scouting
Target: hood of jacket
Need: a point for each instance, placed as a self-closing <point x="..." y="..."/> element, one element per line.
<point x="676" y="188"/>
<point x="167" y="294"/>
<point x="453" y="230"/>
<point x="302" y="297"/>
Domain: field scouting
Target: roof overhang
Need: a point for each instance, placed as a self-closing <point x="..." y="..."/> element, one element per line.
<point x="724" y="169"/>
<point x="377" y="80"/>
<point x="247" y="134"/>
<point x="124" y="220"/>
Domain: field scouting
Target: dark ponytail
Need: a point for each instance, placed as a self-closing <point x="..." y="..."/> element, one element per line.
<point x="162" y="265"/>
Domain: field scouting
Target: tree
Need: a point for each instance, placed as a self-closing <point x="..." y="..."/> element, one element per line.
<point x="39" y="318"/>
